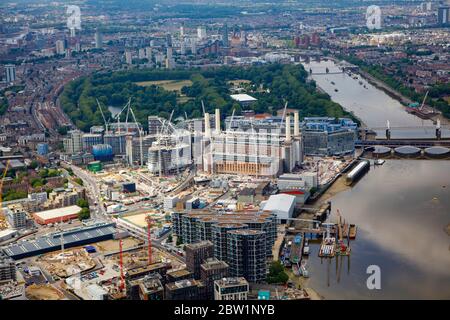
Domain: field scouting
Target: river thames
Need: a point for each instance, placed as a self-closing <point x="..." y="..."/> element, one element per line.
<point x="401" y="209"/>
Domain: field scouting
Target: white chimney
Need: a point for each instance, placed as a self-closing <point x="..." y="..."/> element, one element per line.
<point x="296" y="125"/>
<point x="207" y="126"/>
<point x="288" y="128"/>
<point x="217" y="121"/>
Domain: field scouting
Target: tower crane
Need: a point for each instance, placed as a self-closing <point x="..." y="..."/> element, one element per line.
<point x="122" y="277"/>
<point x="103" y="116"/>
<point x="284" y="115"/>
<point x="423" y="102"/>
<point x="149" y="221"/>
<point x="1" y="187"/>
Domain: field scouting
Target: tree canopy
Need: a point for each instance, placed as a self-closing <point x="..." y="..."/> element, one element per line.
<point x="271" y="84"/>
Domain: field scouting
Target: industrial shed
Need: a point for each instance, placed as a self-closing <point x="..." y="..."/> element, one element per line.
<point x="57" y="215"/>
<point x="72" y="238"/>
<point x="282" y="205"/>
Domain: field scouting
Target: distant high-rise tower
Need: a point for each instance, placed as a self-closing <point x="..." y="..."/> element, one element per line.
<point x="170" y="63"/>
<point x="183" y="48"/>
<point x="98" y="40"/>
<point x="128" y="57"/>
<point x="73" y="32"/>
<point x="142" y="54"/>
<point x="77" y="46"/>
<point x="60" y="47"/>
<point x="193" y="46"/>
<point x="169" y="53"/>
<point x="225" y="36"/>
<point x="168" y="40"/>
<point x="182" y="30"/>
<point x="148" y="53"/>
<point x="10" y="71"/>
<point x="201" y="32"/>
<point x="444" y="15"/>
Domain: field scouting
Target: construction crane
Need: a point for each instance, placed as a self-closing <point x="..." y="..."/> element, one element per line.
<point x="284" y="114"/>
<point x="423" y="102"/>
<point x="122" y="278"/>
<point x="149" y="221"/>
<point x="340" y="232"/>
<point x="140" y="134"/>
<point x="103" y="116"/>
<point x="1" y="187"/>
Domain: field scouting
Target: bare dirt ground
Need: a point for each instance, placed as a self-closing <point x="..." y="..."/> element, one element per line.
<point x="113" y="245"/>
<point x="169" y="85"/>
<point x="337" y="187"/>
<point x="63" y="266"/>
<point x="43" y="292"/>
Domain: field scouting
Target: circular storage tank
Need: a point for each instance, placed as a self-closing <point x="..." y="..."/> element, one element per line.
<point x="408" y="151"/>
<point x="437" y="152"/>
<point x="381" y="151"/>
<point x="102" y="152"/>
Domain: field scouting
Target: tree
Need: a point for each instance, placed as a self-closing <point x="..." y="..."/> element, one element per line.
<point x="83" y="203"/>
<point x="84" y="214"/>
<point x="276" y="273"/>
<point x="79" y="181"/>
<point x="34" y="164"/>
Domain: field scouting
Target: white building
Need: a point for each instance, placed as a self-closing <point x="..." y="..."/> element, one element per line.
<point x="10" y="71"/>
<point x="60" y="47"/>
<point x="170" y="202"/>
<point x="16" y="216"/>
<point x="142" y="54"/>
<point x="201" y="32"/>
<point x="231" y="289"/>
<point x="289" y="181"/>
<point x="282" y="205"/>
<point x="128" y="57"/>
<point x="73" y="143"/>
<point x="98" y="40"/>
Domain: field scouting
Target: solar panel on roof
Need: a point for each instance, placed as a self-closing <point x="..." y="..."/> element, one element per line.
<point x="30" y="248"/>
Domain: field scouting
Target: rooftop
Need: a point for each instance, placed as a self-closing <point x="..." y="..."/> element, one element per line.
<point x="280" y="202"/>
<point x="58" y="212"/>
<point x="213" y="263"/>
<point x="231" y="282"/>
<point x="242" y="97"/>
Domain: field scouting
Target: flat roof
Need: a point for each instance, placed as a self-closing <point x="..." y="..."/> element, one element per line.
<point x="27" y="248"/>
<point x="282" y="202"/>
<point x="242" y="97"/>
<point x="7" y="232"/>
<point x="59" y="212"/>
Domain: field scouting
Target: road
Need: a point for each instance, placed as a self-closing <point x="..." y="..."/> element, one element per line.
<point x="93" y="192"/>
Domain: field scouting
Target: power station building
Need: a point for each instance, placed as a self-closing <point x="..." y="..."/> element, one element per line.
<point x="259" y="152"/>
<point x="327" y="137"/>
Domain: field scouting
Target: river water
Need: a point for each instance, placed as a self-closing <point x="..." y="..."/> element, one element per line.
<point x="401" y="209"/>
<point x="370" y="104"/>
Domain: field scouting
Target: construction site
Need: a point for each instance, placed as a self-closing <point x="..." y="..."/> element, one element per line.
<point x="67" y="263"/>
<point x="43" y="292"/>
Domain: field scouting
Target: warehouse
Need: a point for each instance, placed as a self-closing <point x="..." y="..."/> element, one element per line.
<point x="282" y="205"/>
<point x="57" y="215"/>
<point x="72" y="238"/>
